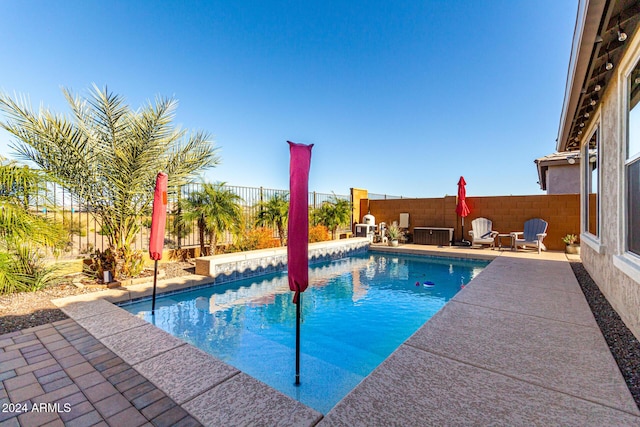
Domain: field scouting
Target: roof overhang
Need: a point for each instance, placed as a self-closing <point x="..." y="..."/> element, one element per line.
<point x="595" y="42"/>
<point x="588" y="22"/>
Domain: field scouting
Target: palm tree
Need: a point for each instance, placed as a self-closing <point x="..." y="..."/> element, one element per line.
<point x="215" y="210"/>
<point x="19" y="183"/>
<point x="108" y="155"/>
<point x="332" y="214"/>
<point x="274" y="211"/>
<point x="24" y="234"/>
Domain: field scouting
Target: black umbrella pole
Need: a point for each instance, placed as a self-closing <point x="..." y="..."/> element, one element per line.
<point x="155" y="278"/>
<point x="298" y="304"/>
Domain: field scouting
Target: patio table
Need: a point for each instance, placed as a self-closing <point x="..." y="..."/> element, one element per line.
<point x="500" y="236"/>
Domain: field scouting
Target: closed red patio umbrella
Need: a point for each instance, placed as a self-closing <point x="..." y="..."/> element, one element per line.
<point x="158" y="222"/>
<point x="298" y="231"/>
<point x="461" y="208"/>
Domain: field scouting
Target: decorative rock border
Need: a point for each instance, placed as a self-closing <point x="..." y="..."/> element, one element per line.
<point x="237" y="266"/>
<point x="77" y="282"/>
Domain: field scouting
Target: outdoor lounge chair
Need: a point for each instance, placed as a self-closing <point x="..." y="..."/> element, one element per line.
<point x="481" y="232"/>
<point x="534" y="233"/>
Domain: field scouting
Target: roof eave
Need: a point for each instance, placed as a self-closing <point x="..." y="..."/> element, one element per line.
<point x="588" y="21"/>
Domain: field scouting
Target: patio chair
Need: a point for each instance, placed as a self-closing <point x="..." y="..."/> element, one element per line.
<point x="534" y="233"/>
<point x="481" y="232"/>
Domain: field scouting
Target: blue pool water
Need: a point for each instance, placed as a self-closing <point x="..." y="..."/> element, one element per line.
<point x="355" y="313"/>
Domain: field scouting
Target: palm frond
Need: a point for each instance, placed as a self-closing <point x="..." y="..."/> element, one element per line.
<point x="107" y="154"/>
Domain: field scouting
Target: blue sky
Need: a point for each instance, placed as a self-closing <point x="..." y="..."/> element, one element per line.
<point x="399" y="97"/>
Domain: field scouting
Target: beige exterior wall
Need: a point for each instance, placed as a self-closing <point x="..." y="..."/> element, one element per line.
<point x="563" y="179"/>
<point x="616" y="273"/>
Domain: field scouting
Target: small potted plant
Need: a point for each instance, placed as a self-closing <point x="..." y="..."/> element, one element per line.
<point x="393" y="234"/>
<point x="572" y="247"/>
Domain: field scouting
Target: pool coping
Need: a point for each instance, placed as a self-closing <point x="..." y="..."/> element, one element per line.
<point x="215" y="392"/>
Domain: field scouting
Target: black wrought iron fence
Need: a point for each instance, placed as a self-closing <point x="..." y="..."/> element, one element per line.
<point x="85" y="228"/>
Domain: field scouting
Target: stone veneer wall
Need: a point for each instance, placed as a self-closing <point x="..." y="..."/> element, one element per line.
<point x="242" y="265"/>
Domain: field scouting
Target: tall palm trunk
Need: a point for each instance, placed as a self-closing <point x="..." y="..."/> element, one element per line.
<point x="201" y="227"/>
<point x="280" y="228"/>
<point x="213" y="239"/>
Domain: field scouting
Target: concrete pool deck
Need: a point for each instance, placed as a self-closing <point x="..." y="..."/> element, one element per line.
<point x="518" y="346"/>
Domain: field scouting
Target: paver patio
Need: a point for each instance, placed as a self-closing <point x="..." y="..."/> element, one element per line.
<point x="58" y="374"/>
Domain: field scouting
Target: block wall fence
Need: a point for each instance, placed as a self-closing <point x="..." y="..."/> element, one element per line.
<point x="508" y="213"/>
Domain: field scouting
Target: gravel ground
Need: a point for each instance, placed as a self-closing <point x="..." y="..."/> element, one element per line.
<point x="624" y="346"/>
<point x="27" y="309"/>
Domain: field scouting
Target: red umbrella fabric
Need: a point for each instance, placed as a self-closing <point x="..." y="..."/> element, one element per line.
<point x="462" y="209"/>
<point x="159" y="217"/>
<point x="298" y="228"/>
<point x="298" y="231"/>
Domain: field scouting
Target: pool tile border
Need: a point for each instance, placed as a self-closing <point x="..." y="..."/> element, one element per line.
<point x="169" y="287"/>
<point x="246" y="265"/>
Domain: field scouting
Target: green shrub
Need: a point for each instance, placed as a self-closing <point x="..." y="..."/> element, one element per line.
<point x="24" y="270"/>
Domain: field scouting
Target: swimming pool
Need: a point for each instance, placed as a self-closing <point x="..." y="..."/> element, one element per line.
<point x="355" y="313"/>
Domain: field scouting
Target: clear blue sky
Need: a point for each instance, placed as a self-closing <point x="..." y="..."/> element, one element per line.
<point x="399" y="97"/>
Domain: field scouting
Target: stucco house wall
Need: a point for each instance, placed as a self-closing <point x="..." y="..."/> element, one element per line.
<point x="563" y="179"/>
<point x="604" y="255"/>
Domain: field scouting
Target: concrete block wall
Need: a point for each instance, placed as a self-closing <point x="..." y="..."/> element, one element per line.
<point x="508" y="213"/>
<point x="357" y="195"/>
<point x="435" y="212"/>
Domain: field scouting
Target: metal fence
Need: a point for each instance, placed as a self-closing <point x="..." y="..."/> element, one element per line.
<point x="85" y="229"/>
<point x="250" y="199"/>
<point x="374" y="196"/>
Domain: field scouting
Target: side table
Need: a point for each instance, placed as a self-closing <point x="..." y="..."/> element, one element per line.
<point x="502" y="236"/>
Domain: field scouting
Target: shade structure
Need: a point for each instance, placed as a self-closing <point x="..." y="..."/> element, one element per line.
<point x="158" y="223"/>
<point x="298" y="231"/>
<point x="461" y="208"/>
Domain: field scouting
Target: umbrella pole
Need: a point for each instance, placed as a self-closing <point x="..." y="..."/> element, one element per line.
<point x="155" y="277"/>
<point x="298" y="304"/>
